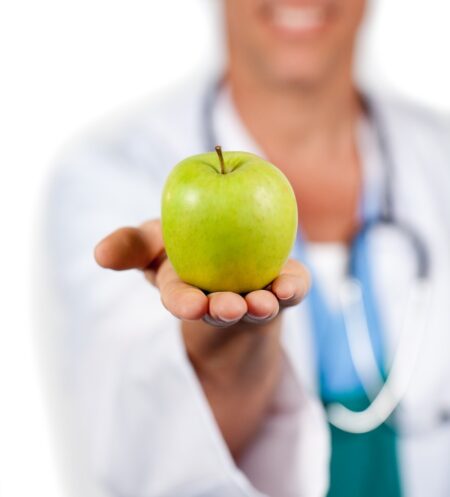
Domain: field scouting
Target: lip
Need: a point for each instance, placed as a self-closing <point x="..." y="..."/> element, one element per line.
<point x="297" y="20"/>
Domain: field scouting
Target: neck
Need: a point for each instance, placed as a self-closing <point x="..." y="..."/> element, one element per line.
<point x="299" y="120"/>
<point x="309" y="133"/>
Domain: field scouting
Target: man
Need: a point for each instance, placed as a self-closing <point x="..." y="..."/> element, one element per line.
<point x="215" y="401"/>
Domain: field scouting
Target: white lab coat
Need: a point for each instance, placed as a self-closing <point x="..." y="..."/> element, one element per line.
<point x="142" y="425"/>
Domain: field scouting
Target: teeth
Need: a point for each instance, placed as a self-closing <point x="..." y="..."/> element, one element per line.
<point x="298" y="18"/>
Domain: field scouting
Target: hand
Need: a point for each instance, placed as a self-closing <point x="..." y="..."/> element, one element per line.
<point x="143" y="248"/>
<point x="238" y="367"/>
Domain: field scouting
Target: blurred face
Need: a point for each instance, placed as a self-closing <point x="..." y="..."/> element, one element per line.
<point x="292" y="41"/>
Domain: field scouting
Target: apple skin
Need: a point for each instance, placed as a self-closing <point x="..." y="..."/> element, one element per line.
<point x="228" y="232"/>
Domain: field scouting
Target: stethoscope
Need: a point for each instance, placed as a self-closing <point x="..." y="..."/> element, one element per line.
<point x="384" y="391"/>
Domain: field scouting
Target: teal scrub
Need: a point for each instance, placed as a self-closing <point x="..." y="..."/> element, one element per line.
<point x="364" y="465"/>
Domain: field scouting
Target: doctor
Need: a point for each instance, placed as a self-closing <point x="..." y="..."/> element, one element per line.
<point x="216" y="395"/>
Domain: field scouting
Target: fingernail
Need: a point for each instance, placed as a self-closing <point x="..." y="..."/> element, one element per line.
<point x="218" y="322"/>
<point x="226" y="320"/>
<point x="289" y="297"/>
<point x="259" y="318"/>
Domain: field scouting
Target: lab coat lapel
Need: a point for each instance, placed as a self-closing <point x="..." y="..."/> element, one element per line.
<point x="298" y="344"/>
<point x="416" y="203"/>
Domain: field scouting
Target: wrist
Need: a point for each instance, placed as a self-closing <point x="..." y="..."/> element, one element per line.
<point x="236" y="356"/>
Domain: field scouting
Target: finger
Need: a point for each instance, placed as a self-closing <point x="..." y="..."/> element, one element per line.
<point x="226" y="307"/>
<point x="262" y="306"/>
<point x="130" y="248"/>
<point x="293" y="283"/>
<point x="184" y="301"/>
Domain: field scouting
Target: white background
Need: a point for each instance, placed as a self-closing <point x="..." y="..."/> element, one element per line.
<point x="66" y="63"/>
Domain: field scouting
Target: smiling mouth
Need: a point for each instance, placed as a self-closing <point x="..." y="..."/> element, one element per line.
<point x="296" y="20"/>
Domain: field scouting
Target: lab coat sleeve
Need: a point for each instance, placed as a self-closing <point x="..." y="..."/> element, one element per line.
<point x="290" y="455"/>
<point x="142" y="424"/>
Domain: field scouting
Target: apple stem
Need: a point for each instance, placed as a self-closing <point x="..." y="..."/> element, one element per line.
<point x="222" y="163"/>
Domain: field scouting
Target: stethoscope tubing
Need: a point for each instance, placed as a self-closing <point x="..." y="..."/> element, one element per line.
<point x="385" y="396"/>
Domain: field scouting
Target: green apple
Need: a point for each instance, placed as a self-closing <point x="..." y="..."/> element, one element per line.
<point x="229" y="221"/>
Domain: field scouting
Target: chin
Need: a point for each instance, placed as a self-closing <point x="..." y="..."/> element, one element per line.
<point x="300" y="72"/>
